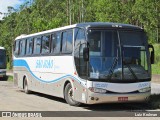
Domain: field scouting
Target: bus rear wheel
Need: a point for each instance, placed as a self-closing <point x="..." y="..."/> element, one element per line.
<point x="25" y="84"/>
<point x="68" y="94"/>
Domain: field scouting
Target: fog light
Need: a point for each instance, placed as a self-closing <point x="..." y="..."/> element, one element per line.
<point x="92" y="98"/>
<point x="96" y="99"/>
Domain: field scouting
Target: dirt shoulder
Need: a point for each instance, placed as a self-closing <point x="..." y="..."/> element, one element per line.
<point x="156" y="79"/>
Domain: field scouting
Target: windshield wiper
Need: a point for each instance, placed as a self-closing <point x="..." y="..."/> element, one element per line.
<point x="131" y="70"/>
<point x="112" y="68"/>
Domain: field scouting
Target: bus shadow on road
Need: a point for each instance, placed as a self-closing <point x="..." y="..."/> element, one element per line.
<point x="153" y="104"/>
<point x="49" y="97"/>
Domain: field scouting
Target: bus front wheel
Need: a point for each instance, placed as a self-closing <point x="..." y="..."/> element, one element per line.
<point x="69" y="95"/>
<point x="26" y="90"/>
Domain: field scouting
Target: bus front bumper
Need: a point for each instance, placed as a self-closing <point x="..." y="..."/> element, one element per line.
<point x="97" y="98"/>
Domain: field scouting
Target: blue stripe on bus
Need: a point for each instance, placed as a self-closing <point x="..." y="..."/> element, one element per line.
<point x="23" y="63"/>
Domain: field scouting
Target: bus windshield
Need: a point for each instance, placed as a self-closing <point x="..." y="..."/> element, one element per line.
<point x="118" y="55"/>
<point x="2" y="59"/>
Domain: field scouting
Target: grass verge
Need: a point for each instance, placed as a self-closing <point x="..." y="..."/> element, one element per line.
<point x="10" y="78"/>
<point x="156" y="66"/>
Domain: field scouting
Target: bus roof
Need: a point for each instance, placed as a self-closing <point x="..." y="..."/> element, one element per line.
<point x="85" y="26"/>
<point x="107" y="25"/>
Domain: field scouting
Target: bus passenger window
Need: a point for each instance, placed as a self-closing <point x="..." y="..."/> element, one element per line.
<point x="22" y="47"/>
<point x="56" y="40"/>
<point x="37" y="45"/>
<point x="16" y="48"/>
<point x="46" y="44"/>
<point x="64" y="45"/>
<point x="67" y="41"/>
<point x="29" y="46"/>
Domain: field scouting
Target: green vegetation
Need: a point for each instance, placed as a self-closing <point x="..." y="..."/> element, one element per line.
<point x="156" y="66"/>
<point x="40" y="15"/>
<point x="10" y="78"/>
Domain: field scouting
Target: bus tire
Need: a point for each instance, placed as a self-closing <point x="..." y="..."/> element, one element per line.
<point x="68" y="94"/>
<point x="25" y="83"/>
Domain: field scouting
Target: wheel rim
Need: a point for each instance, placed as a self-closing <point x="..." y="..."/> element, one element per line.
<point x="70" y="94"/>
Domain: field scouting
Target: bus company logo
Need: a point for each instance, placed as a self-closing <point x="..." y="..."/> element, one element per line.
<point x="100" y="85"/>
<point x="44" y="63"/>
<point x="142" y="85"/>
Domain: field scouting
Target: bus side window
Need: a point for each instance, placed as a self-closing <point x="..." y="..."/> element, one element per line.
<point x="67" y="41"/>
<point x="22" y="47"/>
<point x="45" y="44"/>
<point x="16" y="47"/>
<point x="37" y="45"/>
<point x="64" y="45"/>
<point x="56" y="42"/>
<point x="29" y="49"/>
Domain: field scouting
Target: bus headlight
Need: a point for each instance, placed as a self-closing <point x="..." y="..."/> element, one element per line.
<point x="145" y="89"/>
<point x="97" y="90"/>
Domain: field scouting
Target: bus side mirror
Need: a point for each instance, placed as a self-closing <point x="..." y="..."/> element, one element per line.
<point x="152" y="57"/>
<point x="151" y="54"/>
<point x="86" y="54"/>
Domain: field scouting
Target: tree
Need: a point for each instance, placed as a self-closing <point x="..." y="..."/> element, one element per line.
<point x="39" y="15"/>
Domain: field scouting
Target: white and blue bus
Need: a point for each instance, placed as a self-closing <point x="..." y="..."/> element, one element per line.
<point x="86" y="63"/>
<point x="3" y="63"/>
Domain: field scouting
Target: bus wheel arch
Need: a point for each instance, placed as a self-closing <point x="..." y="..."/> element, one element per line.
<point x="25" y="85"/>
<point x="68" y="94"/>
<point x="65" y="84"/>
<point x="24" y="77"/>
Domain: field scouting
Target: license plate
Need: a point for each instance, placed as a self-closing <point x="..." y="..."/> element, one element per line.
<point x="122" y="98"/>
